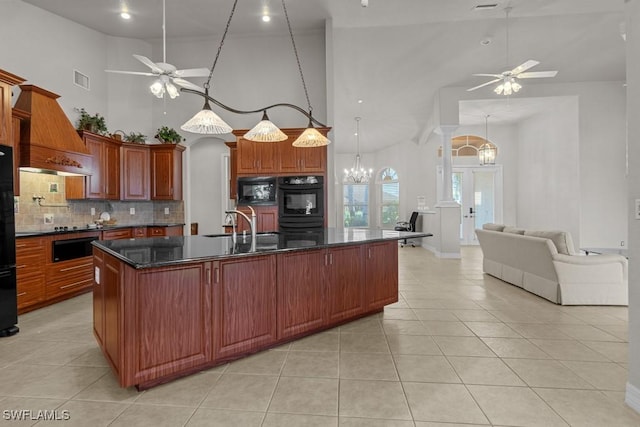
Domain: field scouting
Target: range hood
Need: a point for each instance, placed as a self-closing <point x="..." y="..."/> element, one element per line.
<point x="49" y="143"/>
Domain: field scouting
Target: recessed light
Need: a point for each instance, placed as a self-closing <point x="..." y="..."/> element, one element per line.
<point x="360" y="101"/>
<point x="266" y="18"/>
<point x="125" y="15"/>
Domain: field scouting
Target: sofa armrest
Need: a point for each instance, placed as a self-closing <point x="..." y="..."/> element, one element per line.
<point x="597" y="260"/>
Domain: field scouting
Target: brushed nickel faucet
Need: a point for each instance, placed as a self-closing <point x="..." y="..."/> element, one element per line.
<point x="253" y="225"/>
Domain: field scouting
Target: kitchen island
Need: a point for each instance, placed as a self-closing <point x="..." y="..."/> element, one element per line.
<point x="168" y="307"/>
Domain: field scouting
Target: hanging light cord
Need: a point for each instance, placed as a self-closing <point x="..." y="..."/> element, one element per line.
<point x="358" y="136"/>
<point x="206" y="96"/>
<point x="224" y="36"/>
<point x="295" y="51"/>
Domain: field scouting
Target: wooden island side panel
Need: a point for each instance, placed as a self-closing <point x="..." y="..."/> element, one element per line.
<point x="157" y="324"/>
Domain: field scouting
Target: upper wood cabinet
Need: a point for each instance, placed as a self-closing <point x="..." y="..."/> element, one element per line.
<point x="135" y="177"/>
<point x="17" y="117"/>
<point x="277" y="158"/>
<point x="104" y="182"/>
<point x="233" y="169"/>
<point x="7" y="80"/>
<point x="166" y="171"/>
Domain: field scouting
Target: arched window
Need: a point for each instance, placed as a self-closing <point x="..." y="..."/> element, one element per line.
<point x="355" y="201"/>
<point x="389" y="198"/>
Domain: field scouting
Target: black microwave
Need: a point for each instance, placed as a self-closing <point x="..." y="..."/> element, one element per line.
<point x="257" y="190"/>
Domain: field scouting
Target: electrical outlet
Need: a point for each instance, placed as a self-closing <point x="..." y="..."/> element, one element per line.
<point x="93" y="211"/>
<point x="166" y="211"/>
<point x="132" y="211"/>
<point x="621" y="242"/>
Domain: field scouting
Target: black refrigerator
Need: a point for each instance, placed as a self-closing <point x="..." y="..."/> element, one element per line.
<point x="8" y="293"/>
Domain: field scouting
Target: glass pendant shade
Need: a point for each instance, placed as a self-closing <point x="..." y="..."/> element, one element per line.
<point x="157" y="88"/>
<point x="487" y="154"/>
<point x="507" y="88"/>
<point x="265" y="131"/>
<point x="172" y="90"/>
<point x="206" y="122"/>
<point x="311" y="138"/>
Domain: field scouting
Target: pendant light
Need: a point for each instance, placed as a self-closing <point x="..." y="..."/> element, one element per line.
<point x="265" y="130"/>
<point x="357" y="174"/>
<point x="487" y="152"/>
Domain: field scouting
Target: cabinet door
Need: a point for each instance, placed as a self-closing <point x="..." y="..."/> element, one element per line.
<point x="171" y="317"/>
<point x="244" y="295"/>
<point x="95" y="186"/>
<point x="266" y="218"/>
<point x="98" y="297"/>
<point x="345" y="294"/>
<point x="18" y="116"/>
<point x="111" y="171"/>
<point x="31" y="253"/>
<point x="301" y="160"/>
<point x="313" y="159"/>
<point x="135" y="172"/>
<point x="246" y="157"/>
<point x="301" y="292"/>
<point x="166" y="172"/>
<point x="381" y="285"/>
<point x="289" y="157"/>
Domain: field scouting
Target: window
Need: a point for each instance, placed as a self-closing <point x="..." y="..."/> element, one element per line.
<point x="390" y="198"/>
<point x="356" y="205"/>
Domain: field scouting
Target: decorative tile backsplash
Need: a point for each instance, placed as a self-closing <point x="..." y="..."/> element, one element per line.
<point x="34" y="214"/>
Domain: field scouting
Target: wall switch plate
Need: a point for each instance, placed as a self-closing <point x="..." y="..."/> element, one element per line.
<point x="93" y="211"/>
<point x="132" y="211"/>
<point x="166" y="211"/>
<point x="637" y="209"/>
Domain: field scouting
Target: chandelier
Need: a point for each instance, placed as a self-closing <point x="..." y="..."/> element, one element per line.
<point x="208" y="122"/>
<point x="487" y="152"/>
<point x="357" y="174"/>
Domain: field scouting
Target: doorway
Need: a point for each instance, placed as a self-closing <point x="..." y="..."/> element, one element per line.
<point x="478" y="190"/>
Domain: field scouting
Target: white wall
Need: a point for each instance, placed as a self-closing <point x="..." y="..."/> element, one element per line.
<point x="633" y="112"/>
<point x="548" y="194"/>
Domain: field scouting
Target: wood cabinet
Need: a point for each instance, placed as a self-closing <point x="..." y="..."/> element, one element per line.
<point x="68" y="277"/>
<point x="233" y="169"/>
<point x="244" y="295"/>
<point x="345" y="284"/>
<point x="297" y="160"/>
<point x="31" y="253"/>
<point x="104" y="182"/>
<point x="166" y="171"/>
<point x="120" y="233"/>
<point x="17" y="117"/>
<point x="256" y="158"/>
<point x="139" y="232"/>
<point x="301" y="292"/>
<point x="135" y="178"/>
<point x="381" y="278"/>
<point x="161" y="231"/>
<point x="7" y="81"/>
<point x="266" y="218"/>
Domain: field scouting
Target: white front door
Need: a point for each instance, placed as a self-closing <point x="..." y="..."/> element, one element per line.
<point x="478" y="190"/>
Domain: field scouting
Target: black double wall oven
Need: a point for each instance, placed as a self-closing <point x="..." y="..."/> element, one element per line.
<point x="300" y="202"/>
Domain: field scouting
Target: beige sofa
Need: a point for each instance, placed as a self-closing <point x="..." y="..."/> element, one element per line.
<point x="546" y="264"/>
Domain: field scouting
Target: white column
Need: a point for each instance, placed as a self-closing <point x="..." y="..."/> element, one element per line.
<point x="445" y="133"/>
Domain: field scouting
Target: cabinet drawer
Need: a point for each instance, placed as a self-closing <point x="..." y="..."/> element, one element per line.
<point x="29" y="264"/>
<point x="30" y="290"/>
<point x="138" y="232"/>
<point x="123" y="233"/>
<point x="70" y="271"/>
<point x="156" y="231"/>
<point x="30" y="246"/>
<point x="60" y="288"/>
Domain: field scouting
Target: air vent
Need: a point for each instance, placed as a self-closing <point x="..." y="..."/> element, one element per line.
<point x="486" y="6"/>
<point x="80" y="79"/>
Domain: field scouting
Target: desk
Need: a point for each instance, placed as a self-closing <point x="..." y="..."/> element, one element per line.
<point x="600" y="251"/>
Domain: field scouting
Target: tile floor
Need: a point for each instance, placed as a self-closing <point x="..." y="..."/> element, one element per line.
<point x="459" y="348"/>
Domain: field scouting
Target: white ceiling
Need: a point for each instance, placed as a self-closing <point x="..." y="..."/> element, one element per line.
<point x="420" y="47"/>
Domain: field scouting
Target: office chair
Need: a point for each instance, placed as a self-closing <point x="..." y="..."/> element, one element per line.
<point x="407" y="226"/>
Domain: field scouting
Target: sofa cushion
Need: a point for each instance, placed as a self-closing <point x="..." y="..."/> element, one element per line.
<point x="561" y="239"/>
<point x="513" y="230"/>
<point x="493" y="227"/>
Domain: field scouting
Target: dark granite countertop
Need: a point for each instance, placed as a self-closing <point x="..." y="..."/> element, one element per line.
<point x="162" y="251"/>
<point x="86" y="228"/>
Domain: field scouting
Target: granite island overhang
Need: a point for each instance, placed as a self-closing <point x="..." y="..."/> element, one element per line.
<point x="166" y="307"/>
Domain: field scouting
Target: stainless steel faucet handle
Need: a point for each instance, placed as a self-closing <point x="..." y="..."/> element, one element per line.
<point x="253" y="213"/>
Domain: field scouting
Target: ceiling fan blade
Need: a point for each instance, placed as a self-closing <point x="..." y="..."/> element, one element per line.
<point x="185" y="83"/>
<point x="137" y="73"/>
<point x="488" y="75"/>
<point x="149" y="63"/>
<point x="192" y="72"/>
<point x="524" y="67"/>
<point x="483" y="85"/>
<point x="537" y="74"/>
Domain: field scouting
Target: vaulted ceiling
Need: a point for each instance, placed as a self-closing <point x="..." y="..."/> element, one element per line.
<point x="397" y="54"/>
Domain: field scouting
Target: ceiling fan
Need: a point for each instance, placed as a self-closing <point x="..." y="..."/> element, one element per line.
<point x="507" y="79"/>
<point x="166" y="73"/>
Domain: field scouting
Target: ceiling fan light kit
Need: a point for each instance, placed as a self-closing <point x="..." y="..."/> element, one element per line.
<point x="507" y="79"/>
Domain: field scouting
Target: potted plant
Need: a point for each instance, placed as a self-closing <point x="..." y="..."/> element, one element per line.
<point x="135" y="137"/>
<point x="168" y="135"/>
<point x="95" y="123"/>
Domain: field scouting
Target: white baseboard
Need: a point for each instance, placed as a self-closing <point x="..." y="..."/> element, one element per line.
<point x="449" y="255"/>
<point x="632" y="397"/>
